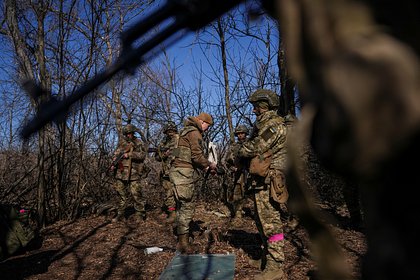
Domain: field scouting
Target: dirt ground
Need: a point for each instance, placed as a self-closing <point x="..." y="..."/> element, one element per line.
<point x="97" y="248"/>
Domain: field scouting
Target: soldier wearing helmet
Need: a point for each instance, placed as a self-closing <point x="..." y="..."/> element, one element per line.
<point x="129" y="129"/>
<point x="265" y="99"/>
<point x="241" y="129"/>
<point x="237" y="176"/>
<point x="164" y="155"/>
<point x="189" y="157"/>
<point x="266" y="152"/>
<point x="130" y="172"/>
<point x="170" y="127"/>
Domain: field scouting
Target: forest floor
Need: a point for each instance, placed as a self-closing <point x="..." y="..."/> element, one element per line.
<point x="94" y="247"/>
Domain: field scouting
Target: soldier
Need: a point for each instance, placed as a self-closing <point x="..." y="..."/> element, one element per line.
<point x="267" y="154"/>
<point x="164" y="155"/>
<point x="129" y="172"/>
<point x="238" y="175"/>
<point x="189" y="157"/>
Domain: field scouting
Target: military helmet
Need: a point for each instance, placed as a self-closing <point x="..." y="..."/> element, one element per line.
<point x="265" y="95"/>
<point x="170" y="126"/>
<point x="129" y="128"/>
<point x="241" y="129"/>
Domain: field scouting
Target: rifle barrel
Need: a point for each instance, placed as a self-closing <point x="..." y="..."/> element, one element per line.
<point x="188" y="14"/>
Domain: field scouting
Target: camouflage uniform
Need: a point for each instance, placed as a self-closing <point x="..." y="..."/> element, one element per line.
<point x="237" y="175"/>
<point x="189" y="157"/>
<point x="269" y="134"/>
<point x="164" y="155"/>
<point x="131" y="179"/>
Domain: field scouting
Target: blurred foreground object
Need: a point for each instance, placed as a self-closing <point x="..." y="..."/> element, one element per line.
<point x="185" y="14"/>
<point x="361" y="93"/>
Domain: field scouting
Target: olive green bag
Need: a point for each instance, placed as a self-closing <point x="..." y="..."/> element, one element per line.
<point x="259" y="165"/>
<point x="278" y="189"/>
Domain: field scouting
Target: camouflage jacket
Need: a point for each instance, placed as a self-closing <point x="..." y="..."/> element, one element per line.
<point x="137" y="157"/>
<point x="269" y="134"/>
<point x="164" y="153"/>
<point x="232" y="159"/>
<point x="190" y="150"/>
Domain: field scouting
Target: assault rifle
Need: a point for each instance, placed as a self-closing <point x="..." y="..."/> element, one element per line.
<point x="186" y="15"/>
<point x="117" y="160"/>
<point x="114" y="165"/>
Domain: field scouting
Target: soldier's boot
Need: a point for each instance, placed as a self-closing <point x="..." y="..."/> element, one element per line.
<point x="171" y="217"/>
<point x="255" y="263"/>
<point x="183" y="245"/>
<point x="237" y="219"/>
<point x="273" y="271"/>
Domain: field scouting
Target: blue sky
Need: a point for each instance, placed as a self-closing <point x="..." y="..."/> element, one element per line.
<point x="187" y="57"/>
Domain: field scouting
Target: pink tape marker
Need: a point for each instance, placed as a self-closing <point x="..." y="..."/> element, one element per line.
<point x="22" y="211"/>
<point x="276" y="237"/>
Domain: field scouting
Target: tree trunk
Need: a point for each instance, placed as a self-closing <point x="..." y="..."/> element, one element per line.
<point x="221" y="33"/>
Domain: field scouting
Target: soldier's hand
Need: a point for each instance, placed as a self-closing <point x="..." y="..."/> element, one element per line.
<point x="212" y="166"/>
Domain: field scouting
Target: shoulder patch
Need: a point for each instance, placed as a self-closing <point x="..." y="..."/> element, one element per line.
<point x="268" y="133"/>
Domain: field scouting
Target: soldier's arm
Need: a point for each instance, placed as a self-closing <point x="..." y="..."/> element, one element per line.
<point x="273" y="134"/>
<point x="139" y="151"/>
<point x="159" y="154"/>
<point x="230" y="158"/>
<point x="120" y="148"/>
<point x="197" y="154"/>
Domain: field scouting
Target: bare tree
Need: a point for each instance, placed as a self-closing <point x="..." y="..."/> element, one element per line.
<point x="60" y="46"/>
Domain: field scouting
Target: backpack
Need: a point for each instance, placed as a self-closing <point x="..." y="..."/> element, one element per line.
<point x="16" y="233"/>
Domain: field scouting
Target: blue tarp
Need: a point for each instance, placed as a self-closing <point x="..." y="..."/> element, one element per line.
<point x="199" y="267"/>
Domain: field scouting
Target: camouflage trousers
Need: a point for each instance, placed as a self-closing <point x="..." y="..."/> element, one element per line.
<point x="269" y="225"/>
<point x="125" y="188"/>
<point x="184" y="188"/>
<point x="235" y="191"/>
<point x="169" y="192"/>
<point x="238" y="188"/>
<point x="238" y="200"/>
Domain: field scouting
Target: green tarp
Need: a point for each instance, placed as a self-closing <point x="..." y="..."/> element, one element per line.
<point x="199" y="267"/>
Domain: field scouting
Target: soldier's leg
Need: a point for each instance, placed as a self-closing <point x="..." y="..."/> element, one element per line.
<point x="169" y="199"/>
<point x="238" y="198"/>
<point x="184" y="216"/>
<point x="271" y="230"/>
<point x="184" y="191"/>
<point x="121" y="188"/>
<point x="136" y="188"/>
<point x="290" y="220"/>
